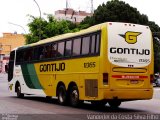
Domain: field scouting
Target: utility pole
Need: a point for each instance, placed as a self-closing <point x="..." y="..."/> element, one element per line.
<point x="40" y="18"/>
<point x="66" y="4"/>
<point x="18" y="26"/>
<point x="92" y="9"/>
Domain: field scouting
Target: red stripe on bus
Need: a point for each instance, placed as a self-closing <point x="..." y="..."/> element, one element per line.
<point x="129" y="76"/>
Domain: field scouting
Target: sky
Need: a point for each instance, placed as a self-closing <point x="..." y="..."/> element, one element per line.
<point x="17" y="11"/>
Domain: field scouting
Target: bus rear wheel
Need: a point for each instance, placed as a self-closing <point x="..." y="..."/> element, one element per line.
<point x="18" y="90"/>
<point x="114" y="103"/>
<point x="62" y="95"/>
<point x="74" y="97"/>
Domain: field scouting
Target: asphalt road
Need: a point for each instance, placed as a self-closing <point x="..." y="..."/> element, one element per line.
<point x="39" y="108"/>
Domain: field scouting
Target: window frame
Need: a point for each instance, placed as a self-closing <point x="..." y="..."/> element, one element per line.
<point x="90" y="54"/>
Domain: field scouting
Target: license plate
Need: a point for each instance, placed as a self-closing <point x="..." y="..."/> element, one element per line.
<point x="134" y="81"/>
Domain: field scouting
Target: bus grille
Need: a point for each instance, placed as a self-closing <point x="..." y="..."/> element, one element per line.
<point x="91" y="87"/>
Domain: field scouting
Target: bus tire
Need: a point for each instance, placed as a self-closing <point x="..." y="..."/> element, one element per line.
<point x="114" y="103"/>
<point x="62" y="95"/>
<point x="74" y="96"/>
<point x="18" y="90"/>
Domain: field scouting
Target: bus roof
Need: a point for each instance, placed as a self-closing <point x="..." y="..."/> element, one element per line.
<point x="65" y="36"/>
<point x="70" y="35"/>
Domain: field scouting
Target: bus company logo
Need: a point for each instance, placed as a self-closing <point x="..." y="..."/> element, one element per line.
<point x="130" y="37"/>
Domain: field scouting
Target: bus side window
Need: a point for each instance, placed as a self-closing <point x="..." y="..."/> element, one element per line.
<point x="48" y="51"/>
<point x="93" y="44"/>
<point x="41" y="51"/>
<point x="97" y="43"/>
<point x="76" y="47"/>
<point x="54" y="50"/>
<point x="36" y="56"/>
<point x="19" y="57"/>
<point x="85" y="45"/>
<point x="25" y="56"/>
<point x="68" y="49"/>
<point x="60" y="49"/>
<point x="28" y="55"/>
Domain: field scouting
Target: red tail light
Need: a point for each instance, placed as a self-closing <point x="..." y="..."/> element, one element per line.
<point x="105" y="78"/>
<point x="151" y="79"/>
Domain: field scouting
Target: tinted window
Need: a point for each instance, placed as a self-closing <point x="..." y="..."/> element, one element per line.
<point x="93" y="43"/>
<point x="48" y="51"/>
<point x="85" y="45"/>
<point x="68" y="48"/>
<point x="39" y="53"/>
<point x="97" y="43"/>
<point x="88" y="44"/>
<point x="19" y="56"/>
<point x="36" y="56"/>
<point x="54" y="50"/>
<point x="76" y="46"/>
<point x="28" y="55"/>
<point x="60" y="49"/>
<point x="45" y="52"/>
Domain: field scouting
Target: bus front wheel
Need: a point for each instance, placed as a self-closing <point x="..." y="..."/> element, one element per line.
<point x="114" y="103"/>
<point x="18" y="90"/>
<point x="62" y="95"/>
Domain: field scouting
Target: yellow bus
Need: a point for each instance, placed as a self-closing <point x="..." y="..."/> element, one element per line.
<point x="107" y="63"/>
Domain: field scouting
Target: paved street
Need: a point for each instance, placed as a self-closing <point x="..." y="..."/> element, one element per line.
<point x="34" y="107"/>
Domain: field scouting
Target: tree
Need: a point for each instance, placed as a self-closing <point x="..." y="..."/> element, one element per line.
<point x="156" y="40"/>
<point x="42" y="29"/>
<point x="119" y="11"/>
<point x="153" y="26"/>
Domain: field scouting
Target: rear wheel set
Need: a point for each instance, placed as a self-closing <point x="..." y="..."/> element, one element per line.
<point x="74" y="97"/>
<point x="71" y="96"/>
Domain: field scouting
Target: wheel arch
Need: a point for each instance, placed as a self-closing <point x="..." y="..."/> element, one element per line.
<point x="71" y="84"/>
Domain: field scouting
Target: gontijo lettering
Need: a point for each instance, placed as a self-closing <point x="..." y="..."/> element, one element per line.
<point x="52" y="67"/>
<point x="115" y="50"/>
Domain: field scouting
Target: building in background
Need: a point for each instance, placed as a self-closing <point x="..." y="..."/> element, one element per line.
<point x="71" y="15"/>
<point x="8" y="42"/>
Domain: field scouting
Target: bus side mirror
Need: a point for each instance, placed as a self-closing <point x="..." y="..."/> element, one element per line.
<point x="6" y="68"/>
